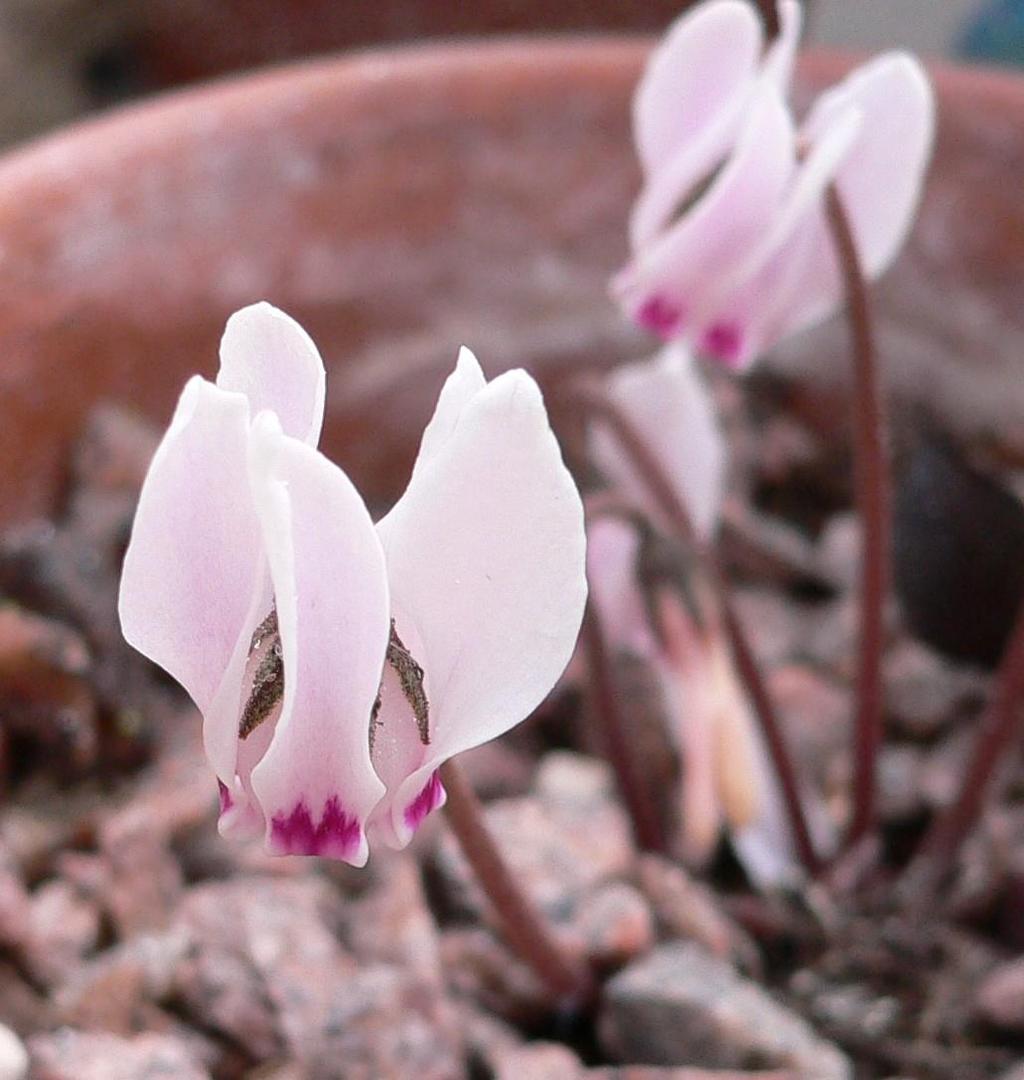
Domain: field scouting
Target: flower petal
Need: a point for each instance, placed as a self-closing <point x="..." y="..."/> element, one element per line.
<point x="670" y="406"/>
<point x="460" y="387"/>
<point x="612" y="553"/>
<point x="872" y="135"/>
<point x="399" y="753"/>
<point x="779" y="60"/>
<point x="880" y="179"/>
<point x="688" y="675"/>
<point x="704" y="63"/>
<point x="765" y="847"/>
<point x="268" y="357"/>
<point x="195" y="554"/>
<point x="315" y="783"/>
<point x="789" y="278"/>
<point x="714" y="236"/>
<point x="485" y="555"/>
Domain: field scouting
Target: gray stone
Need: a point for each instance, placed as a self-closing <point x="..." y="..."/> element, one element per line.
<point x="568" y="837"/>
<point x="682" y="1006"/>
<point x="76" y="1055"/>
<point x="540" y="1061"/>
<point x="1000" y="999"/>
<point x="378" y="1022"/>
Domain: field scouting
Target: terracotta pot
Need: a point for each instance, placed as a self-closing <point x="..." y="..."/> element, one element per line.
<point x="177" y="41"/>
<point x="400" y="203"/>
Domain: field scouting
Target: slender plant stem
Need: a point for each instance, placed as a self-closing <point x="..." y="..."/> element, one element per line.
<point x="749" y="672"/>
<point x="871" y="478"/>
<point x="999" y="727"/>
<point x="524" y="927"/>
<point x="643" y="813"/>
<point x="604" y="410"/>
<point x="770" y="14"/>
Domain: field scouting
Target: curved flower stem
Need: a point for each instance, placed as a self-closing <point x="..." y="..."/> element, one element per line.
<point x="646" y="464"/>
<point x="524" y="927"/>
<point x="643" y="814"/>
<point x="769" y="10"/>
<point x="999" y="726"/>
<point x="871" y="477"/>
<point x="750" y="674"/>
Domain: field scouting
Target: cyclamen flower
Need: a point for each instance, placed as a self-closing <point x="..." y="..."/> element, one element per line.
<point x="726" y="779"/>
<point x="731" y="250"/>
<point x="256" y="578"/>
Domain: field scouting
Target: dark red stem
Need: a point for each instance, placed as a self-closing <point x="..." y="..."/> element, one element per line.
<point x="999" y="727"/>
<point x="750" y="673"/>
<point x="525" y="929"/>
<point x="871" y="479"/>
<point x="770" y="15"/>
<point x="605" y="411"/>
<point x="643" y="814"/>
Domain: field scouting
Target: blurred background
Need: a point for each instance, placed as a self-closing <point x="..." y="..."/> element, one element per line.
<point x="62" y="58"/>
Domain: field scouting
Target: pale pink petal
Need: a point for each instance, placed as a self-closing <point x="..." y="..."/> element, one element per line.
<point x="612" y="551"/>
<point x="703" y="65"/>
<point x="687" y="119"/>
<point x="881" y="176"/>
<point x="315" y="784"/>
<point x="670" y="406"/>
<point x="460" y="387"/>
<point x="669" y="279"/>
<point x="230" y="758"/>
<point x="241" y="816"/>
<point x="789" y="277"/>
<point x="738" y="768"/>
<point x="194" y="558"/>
<point x="485" y="554"/>
<point x="268" y="357"/>
<point x="779" y="60"/>
<point x="691" y="694"/>
<point x="872" y="135"/>
<point x="765" y="846"/>
<point x="399" y="752"/>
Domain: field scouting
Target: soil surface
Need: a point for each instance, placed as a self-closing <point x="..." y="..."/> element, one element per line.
<point x="135" y="943"/>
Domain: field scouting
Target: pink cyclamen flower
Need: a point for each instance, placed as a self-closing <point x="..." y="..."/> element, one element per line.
<point x="731" y="250"/>
<point x="727" y="782"/>
<point x="256" y="577"/>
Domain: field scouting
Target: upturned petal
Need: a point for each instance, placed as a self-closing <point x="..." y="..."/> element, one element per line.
<point x="194" y="558"/>
<point x="485" y="554"/>
<point x="789" y="277"/>
<point x="781" y="56"/>
<point x="268" y="357"/>
<point x="464" y="383"/>
<point x="691" y="101"/>
<point x="669" y="278"/>
<point x="881" y="176"/>
<point x="670" y="406"/>
<point x="872" y="137"/>
<point x="704" y="61"/>
<point x="315" y="783"/>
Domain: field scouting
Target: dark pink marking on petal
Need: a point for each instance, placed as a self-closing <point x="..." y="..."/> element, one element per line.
<point x="226" y="802"/>
<point x="661" y="316"/>
<point x="337" y="835"/>
<point x="428" y="800"/>
<point x="724" y="342"/>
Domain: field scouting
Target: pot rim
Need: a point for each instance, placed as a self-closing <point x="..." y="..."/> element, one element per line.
<point x="149" y="118"/>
